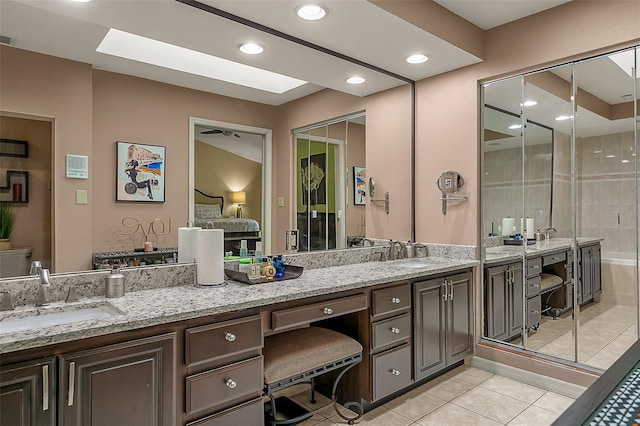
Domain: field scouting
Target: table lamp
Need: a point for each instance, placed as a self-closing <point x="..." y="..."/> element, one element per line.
<point x="239" y="197"/>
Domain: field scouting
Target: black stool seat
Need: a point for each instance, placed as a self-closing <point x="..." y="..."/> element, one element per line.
<point x="300" y="355"/>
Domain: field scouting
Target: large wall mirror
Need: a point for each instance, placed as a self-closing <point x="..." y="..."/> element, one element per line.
<point x="559" y="149"/>
<point x="105" y="105"/>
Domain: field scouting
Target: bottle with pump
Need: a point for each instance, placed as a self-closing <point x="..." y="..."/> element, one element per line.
<point x="258" y="251"/>
<point x="243" y="248"/>
<point x="114" y="284"/>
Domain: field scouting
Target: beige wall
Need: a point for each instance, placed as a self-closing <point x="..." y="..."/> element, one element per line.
<point x="356" y="156"/>
<point x="219" y="172"/>
<point x="33" y="219"/>
<point x="58" y="89"/>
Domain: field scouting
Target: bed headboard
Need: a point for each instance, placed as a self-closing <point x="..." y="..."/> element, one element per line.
<point x="218" y="198"/>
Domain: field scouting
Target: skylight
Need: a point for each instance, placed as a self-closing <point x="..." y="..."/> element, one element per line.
<point x="154" y="52"/>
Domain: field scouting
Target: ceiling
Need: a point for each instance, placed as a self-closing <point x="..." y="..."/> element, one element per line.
<point x="356" y="28"/>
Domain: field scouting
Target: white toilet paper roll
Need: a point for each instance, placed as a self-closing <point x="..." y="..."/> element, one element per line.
<point x="187" y="248"/>
<point x="530" y="228"/>
<point x="507" y="225"/>
<point x="210" y="256"/>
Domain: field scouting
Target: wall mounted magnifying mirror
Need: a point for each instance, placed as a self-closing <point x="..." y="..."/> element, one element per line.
<point x="450" y="183"/>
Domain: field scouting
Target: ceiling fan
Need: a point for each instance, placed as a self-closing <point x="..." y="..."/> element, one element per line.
<point x="221" y="132"/>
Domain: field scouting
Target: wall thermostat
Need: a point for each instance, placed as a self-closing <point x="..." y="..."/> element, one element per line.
<point x="77" y="166"/>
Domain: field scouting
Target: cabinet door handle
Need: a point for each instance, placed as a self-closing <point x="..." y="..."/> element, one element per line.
<point x="327" y="311"/>
<point x="72" y="383"/>
<point x="45" y="387"/>
<point x="445" y="290"/>
<point x="395" y="300"/>
<point x="395" y="372"/>
<point x="451" y="294"/>
<point x="230" y="383"/>
<point x="230" y="337"/>
<point x="395" y="330"/>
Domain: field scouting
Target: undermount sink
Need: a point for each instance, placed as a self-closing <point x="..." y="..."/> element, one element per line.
<point x="41" y="317"/>
<point x="413" y="263"/>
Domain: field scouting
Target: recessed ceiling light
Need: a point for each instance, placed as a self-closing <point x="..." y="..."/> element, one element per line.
<point x="418" y="58"/>
<point x="529" y="103"/>
<point x="597" y="152"/>
<point x="515" y="126"/>
<point x="610" y="156"/>
<point x="356" y="79"/>
<point x="564" y="117"/>
<point x="311" y="12"/>
<point x="626" y="161"/>
<point x="251" y="48"/>
<point x="154" y="52"/>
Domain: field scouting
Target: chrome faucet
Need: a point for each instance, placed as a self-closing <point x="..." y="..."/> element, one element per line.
<point x="367" y="240"/>
<point x="7" y="302"/>
<point x="548" y="233"/>
<point x="43" y="292"/>
<point x="393" y="253"/>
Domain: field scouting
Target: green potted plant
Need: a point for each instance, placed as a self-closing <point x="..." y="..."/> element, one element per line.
<point x="7" y="219"/>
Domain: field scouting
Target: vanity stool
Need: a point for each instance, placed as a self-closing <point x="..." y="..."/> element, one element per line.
<point x="298" y="356"/>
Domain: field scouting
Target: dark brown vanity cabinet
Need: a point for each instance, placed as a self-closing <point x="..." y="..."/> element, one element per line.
<point x="130" y="383"/>
<point x="28" y="393"/>
<point x="390" y="339"/>
<point x="504" y="301"/>
<point x="589" y="273"/>
<point x="443" y="322"/>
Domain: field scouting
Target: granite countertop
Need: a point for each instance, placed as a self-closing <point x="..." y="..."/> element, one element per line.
<point x="504" y="253"/>
<point x="147" y="308"/>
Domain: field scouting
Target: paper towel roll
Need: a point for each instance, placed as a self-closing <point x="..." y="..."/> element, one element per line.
<point x="187" y="243"/>
<point x="530" y="228"/>
<point x="210" y="256"/>
<point x="507" y="225"/>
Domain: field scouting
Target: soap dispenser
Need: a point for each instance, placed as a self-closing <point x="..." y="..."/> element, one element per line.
<point x="114" y="284"/>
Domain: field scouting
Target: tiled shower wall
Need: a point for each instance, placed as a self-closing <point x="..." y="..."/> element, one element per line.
<point x="605" y="189"/>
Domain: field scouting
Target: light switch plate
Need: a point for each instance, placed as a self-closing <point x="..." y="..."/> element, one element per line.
<point x="291" y="237"/>
<point x="81" y="196"/>
<point x="280" y="202"/>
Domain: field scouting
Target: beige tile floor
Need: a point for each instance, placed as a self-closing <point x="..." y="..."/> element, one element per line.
<point x="606" y="332"/>
<point x="465" y="395"/>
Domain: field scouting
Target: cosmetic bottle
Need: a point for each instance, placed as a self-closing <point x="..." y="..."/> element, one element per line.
<point x="243" y="248"/>
<point x="114" y="284"/>
<point x="258" y="251"/>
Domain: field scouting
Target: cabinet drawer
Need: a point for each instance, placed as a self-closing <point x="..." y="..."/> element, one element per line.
<point x="533" y="286"/>
<point x="390" y="331"/>
<point x="554" y="258"/>
<point x="214" y="341"/>
<point x="250" y="413"/>
<point x="223" y="387"/>
<point x="534" y="306"/>
<point x="300" y="315"/>
<point x="534" y="266"/>
<point x="391" y="371"/>
<point x="390" y="300"/>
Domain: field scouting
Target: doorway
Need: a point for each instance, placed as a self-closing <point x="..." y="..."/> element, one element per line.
<point x="230" y="189"/>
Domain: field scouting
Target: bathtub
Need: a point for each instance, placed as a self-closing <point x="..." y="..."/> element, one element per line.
<point x="619" y="278"/>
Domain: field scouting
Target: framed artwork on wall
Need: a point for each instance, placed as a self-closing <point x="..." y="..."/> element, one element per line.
<point x="14" y="186"/>
<point x="140" y="172"/>
<point x="359" y="187"/>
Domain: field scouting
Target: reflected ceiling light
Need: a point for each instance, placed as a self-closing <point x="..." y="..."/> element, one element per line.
<point x="610" y="156"/>
<point x="251" y="48"/>
<point x="626" y="161"/>
<point x="418" y="58"/>
<point x="564" y="117"/>
<point x="515" y="126"/>
<point x="81" y="1"/>
<point x="529" y="103"/>
<point x="597" y="152"/>
<point x="356" y="79"/>
<point x="154" y="52"/>
<point x="311" y="12"/>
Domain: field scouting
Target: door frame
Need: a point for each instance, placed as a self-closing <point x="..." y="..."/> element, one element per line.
<point x="267" y="169"/>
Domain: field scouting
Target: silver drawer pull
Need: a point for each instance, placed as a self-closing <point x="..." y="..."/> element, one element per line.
<point x="395" y="330"/>
<point x="535" y="311"/>
<point x="327" y="311"/>
<point x="395" y="372"/>
<point x="72" y="383"/>
<point x="230" y="337"/>
<point x="395" y="300"/>
<point x="230" y="383"/>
